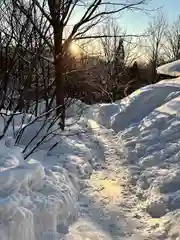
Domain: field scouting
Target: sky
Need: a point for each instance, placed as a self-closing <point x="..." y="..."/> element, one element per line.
<point x="136" y="22"/>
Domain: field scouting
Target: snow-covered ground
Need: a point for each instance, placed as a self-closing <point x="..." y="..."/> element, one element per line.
<point x="115" y="174"/>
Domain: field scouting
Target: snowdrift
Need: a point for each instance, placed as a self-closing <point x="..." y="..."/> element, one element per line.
<point x="152" y="147"/>
<point x="35" y="200"/>
<point x="39" y="196"/>
<point x="132" y="109"/>
<point x="170" y="69"/>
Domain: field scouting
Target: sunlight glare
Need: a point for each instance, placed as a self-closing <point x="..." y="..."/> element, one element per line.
<point x="74" y="49"/>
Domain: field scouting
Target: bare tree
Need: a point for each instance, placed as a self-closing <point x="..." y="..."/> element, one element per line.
<point x="155" y="42"/>
<point x="172" y="43"/>
<point x="119" y="52"/>
<point x="58" y="15"/>
<point x="23" y="81"/>
<point x="35" y="61"/>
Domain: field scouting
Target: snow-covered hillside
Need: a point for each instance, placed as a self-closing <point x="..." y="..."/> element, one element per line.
<point x="115" y="173"/>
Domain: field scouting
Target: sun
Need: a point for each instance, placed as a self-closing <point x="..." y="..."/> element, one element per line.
<point x="74" y="49"/>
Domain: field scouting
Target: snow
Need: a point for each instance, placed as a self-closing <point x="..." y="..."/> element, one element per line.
<point x="114" y="174"/>
<point x="170" y="69"/>
<point x="152" y="146"/>
<point x="135" y="107"/>
<point x="74" y="107"/>
<point x="39" y="196"/>
<point x="35" y="200"/>
<point x="148" y="125"/>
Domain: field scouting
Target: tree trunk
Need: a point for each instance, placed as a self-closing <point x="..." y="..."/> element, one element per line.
<point x="59" y="79"/>
<point x="154" y="73"/>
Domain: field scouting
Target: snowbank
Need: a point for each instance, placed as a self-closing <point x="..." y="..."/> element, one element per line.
<point x="170" y="69"/>
<point x="38" y="200"/>
<point x="39" y="196"/>
<point x="143" y="102"/>
<point x="34" y="200"/>
<point x="132" y="109"/>
<point x="151" y="138"/>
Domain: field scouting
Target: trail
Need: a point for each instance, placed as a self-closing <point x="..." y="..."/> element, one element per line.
<point x="106" y="201"/>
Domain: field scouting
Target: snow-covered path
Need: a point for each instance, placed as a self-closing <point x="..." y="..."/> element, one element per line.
<point x="105" y="212"/>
